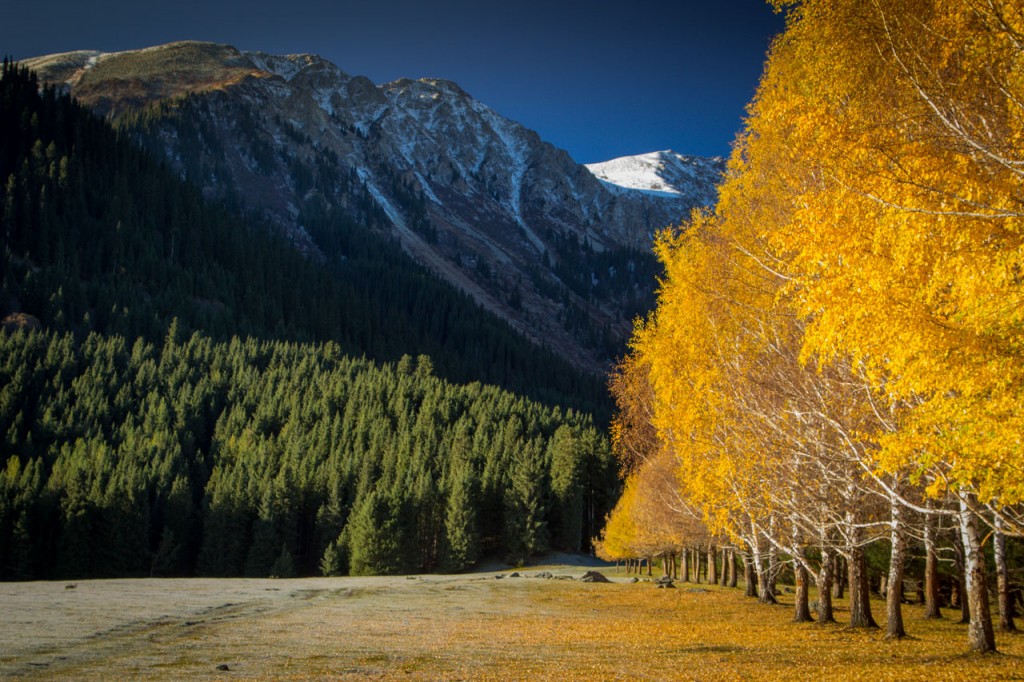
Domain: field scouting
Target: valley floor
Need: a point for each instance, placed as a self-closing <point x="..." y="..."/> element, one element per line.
<point x="466" y="627"/>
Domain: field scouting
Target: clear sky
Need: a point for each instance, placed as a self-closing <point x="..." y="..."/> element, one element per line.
<point x="600" y="79"/>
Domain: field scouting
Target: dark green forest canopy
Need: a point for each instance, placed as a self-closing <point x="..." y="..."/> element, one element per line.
<point x="271" y="458"/>
<point x="99" y="236"/>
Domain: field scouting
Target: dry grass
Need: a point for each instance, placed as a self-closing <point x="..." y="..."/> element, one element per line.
<point x="453" y="628"/>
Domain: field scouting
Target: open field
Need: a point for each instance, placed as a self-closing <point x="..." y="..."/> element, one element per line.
<point x="466" y="627"/>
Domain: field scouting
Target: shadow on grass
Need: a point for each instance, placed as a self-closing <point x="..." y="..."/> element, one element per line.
<point x="707" y="649"/>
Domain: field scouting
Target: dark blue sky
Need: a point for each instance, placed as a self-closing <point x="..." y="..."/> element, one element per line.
<point x="599" y="79"/>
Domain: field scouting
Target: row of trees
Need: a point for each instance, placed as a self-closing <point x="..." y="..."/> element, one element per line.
<point x="267" y="458"/>
<point x="836" y="358"/>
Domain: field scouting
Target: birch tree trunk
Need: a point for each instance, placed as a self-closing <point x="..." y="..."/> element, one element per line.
<point x="824" y="581"/>
<point x="712" y="559"/>
<point x="732" y="568"/>
<point x="980" y="636"/>
<point x="860" y="591"/>
<point x="772" y="573"/>
<point x="839" y="586"/>
<point x="801" y="608"/>
<point x="958" y="589"/>
<point x="931" y="570"/>
<point x="1006" y="623"/>
<point x="894" y="597"/>
<point x="684" y="571"/>
<point x="765" y="594"/>
<point x="748" y="575"/>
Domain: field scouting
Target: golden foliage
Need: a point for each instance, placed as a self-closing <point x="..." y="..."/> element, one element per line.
<point x="846" y="332"/>
<point x="871" y="221"/>
<point x="896" y="127"/>
<point x="634" y="438"/>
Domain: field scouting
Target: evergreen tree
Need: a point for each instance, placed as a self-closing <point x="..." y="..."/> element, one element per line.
<point x="334" y="560"/>
<point x="374" y="536"/>
<point x="461" y="535"/>
<point x="235" y="458"/>
<point x="566" y="490"/>
<point x="526" y="533"/>
<point x="284" y="565"/>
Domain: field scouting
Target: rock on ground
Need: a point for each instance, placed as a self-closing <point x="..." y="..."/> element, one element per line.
<point x="594" y="577"/>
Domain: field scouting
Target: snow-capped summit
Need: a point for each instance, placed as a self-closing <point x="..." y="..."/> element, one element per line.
<point x="663" y="173"/>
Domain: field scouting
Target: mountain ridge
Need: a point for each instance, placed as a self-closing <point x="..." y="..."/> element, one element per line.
<point x="481" y="200"/>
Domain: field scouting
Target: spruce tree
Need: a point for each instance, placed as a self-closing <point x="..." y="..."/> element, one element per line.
<point x="461" y="535"/>
<point x="526" y="531"/>
<point x="374" y="536"/>
<point x="334" y="560"/>
<point x="566" y="490"/>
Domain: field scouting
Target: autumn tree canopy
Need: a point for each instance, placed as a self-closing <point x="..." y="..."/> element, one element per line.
<point x="836" y="355"/>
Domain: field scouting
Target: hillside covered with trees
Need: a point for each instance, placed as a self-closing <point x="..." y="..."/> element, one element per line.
<point x="835" y="369"/>
<point x="269" y="458"/>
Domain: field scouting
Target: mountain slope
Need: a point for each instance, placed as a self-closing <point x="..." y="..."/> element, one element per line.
<point x="130" y="446"/>
<point x="482" y="201"/>
<point x="96" y="236"/>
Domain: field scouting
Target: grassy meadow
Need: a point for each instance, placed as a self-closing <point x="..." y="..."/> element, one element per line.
<point x="465" y="627"/>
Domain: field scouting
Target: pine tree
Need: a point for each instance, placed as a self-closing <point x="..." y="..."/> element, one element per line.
<point x="461" y="535"/>
<point x="566" y="490"/>
<point x="334" y="560"/>
<point x="284" y="565"/>
<point x="526" y="532"/>
<point x="374" y="537"/>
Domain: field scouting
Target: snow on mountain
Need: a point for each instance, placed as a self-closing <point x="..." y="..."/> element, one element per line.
<point x="663" y="174"/>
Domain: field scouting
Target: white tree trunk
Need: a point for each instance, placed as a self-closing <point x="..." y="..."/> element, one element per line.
<point x="980" y="635"/>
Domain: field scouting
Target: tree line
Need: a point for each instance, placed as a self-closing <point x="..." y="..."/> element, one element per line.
<point x="833" y="375"/>
<point x="257" y="458"/>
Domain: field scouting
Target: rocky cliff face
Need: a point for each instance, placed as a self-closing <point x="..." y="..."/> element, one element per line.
<point x="481" y="200"/>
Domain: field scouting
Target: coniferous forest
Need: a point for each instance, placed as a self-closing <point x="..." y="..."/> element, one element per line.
<point x="193" y="405"/>
<point x="271" y="458"/>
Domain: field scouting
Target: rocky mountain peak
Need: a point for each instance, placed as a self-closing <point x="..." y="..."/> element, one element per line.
<point x="289" y="66"/>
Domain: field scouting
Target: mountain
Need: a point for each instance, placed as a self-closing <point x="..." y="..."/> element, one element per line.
<point x="97" y="236"/>
<point x="182" y="392"/>
<point x="480" y="200"/>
